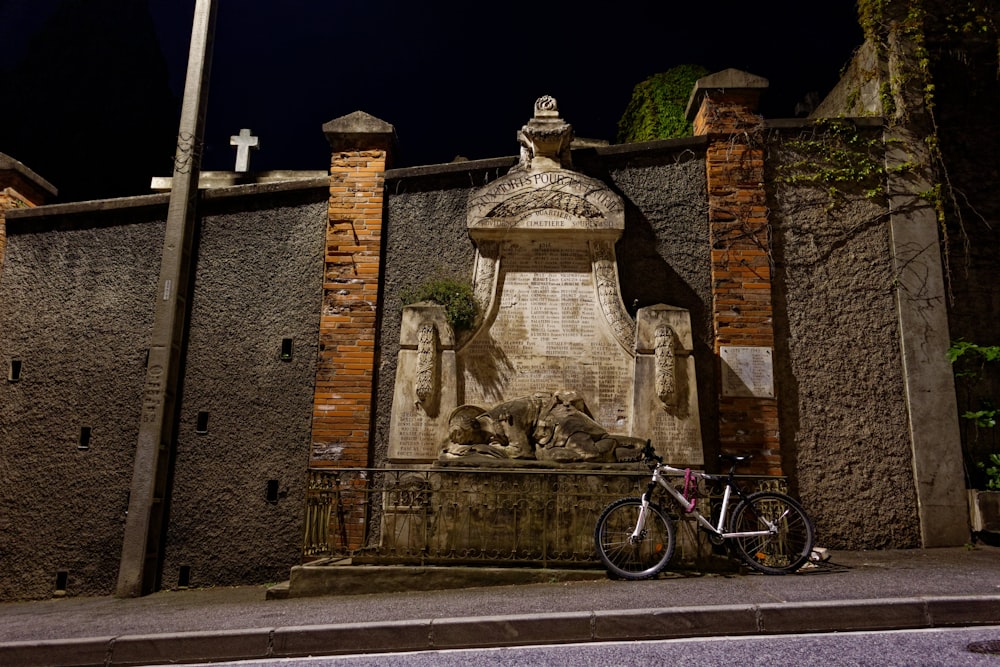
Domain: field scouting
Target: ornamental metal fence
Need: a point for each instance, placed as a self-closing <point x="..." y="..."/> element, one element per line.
<point x="451" y="516"/>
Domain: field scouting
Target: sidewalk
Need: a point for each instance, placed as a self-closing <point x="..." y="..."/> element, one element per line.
<point x="853" y="591"/>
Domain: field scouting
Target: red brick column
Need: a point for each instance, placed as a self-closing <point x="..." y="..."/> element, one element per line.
<point x="345" y="375"/>
<point x="724" y="106"/>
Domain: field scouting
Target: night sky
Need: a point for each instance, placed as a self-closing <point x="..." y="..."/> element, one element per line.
<point x="93" y="86"/>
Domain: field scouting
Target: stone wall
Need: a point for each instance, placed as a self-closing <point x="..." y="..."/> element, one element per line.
<point x="75" y="310"/>
<point x="842" y="401"/>
<point x="238" y="487"/>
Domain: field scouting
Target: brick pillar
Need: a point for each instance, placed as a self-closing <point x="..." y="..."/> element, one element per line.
<point x="723" y="106"/>
<point x="344" y="394"/>
<point x="19" y="188"/>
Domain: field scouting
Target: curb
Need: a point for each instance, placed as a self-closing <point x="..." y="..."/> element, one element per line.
<point x="514" y="630"/>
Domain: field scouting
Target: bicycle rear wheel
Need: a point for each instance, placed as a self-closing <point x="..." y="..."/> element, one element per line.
<point x="628" y="558"/>
<point x="787" y="548"/>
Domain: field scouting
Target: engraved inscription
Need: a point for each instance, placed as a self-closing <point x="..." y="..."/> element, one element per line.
<point x="546" y="335"/>
<point x="747" y="371"/>
<point x="152" y="394"/>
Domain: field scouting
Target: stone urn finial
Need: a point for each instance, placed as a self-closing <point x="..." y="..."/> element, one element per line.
<point x="545" y="139"/>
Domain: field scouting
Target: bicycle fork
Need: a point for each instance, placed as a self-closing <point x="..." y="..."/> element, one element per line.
<point x="640" y="524"/>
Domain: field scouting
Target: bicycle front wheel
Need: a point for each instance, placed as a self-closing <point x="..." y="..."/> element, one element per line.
<point x="790" y="539"/>
<point x="628" y="557"/>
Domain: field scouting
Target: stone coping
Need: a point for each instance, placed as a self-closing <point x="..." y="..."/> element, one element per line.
<point x="320" y="184"/>
<point x="305" y="180"/>
<point x="467" y="169"/>
<point x="224" y="179"/>
<point x="7" y="163"/>
<point x="490" y="466"/>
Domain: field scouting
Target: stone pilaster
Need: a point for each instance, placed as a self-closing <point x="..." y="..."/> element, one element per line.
<point x="723" y="106"/>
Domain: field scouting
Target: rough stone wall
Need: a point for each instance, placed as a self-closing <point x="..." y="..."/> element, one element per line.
<point x="664" y="256"/>
<point x="838" y="364"/>
<point x="258" y="281"/>
<point x="425" y="237"/>
<point x="75" y="308"/>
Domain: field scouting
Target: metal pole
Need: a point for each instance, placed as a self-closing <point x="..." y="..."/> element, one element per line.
<point x="145" y="525"/>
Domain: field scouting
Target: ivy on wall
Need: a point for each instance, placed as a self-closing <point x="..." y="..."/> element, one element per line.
<point x="656" y="110"/>
<point x="835" y="156"/>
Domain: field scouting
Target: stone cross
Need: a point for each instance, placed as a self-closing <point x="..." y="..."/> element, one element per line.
<point x="244" y="142"/>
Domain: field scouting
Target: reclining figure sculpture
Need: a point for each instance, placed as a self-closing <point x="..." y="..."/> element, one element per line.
<point x="545" y="426"/>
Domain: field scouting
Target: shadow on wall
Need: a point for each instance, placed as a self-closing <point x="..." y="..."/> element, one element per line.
<point x="647" y="279"/>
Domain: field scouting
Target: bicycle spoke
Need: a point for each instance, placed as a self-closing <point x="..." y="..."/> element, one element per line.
<point x="790" y="540"/>
<point x="630" y="558"/>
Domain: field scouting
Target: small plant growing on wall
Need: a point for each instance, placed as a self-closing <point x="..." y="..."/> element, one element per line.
<point x="975" y="384"/>
<point x="454" y="294"/>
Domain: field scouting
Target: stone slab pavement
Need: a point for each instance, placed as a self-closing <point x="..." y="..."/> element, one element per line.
<point x="870" y="590"/>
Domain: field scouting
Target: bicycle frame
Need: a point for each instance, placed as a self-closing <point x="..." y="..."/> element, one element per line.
<point x="660" y="474"/>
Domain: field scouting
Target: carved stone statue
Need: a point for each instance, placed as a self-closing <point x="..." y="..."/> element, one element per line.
<point x="544" y="426"/>
<point x="545" y="140"/>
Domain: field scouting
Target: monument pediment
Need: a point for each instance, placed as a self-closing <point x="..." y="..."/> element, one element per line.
<point x="554" y="200"/>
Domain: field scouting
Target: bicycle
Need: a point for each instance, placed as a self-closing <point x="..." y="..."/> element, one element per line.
<point x="769" y="530"/>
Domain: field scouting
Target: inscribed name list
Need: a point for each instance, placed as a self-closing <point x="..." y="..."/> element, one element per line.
<point x="549" y="335"/>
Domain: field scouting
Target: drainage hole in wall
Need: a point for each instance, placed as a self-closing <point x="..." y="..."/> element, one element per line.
<point x="84" y="438"/>
<point x="286" y="349"/>
<point x="202" y="425"/>
<point x="62" y="578"/>
<point x="14" y="372"/>
<point x="184" y="576"/>
<point x="272" y="490"/>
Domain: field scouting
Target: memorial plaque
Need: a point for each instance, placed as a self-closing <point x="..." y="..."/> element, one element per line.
<point x="747" y="371"/>
<point x="548" y="334"/>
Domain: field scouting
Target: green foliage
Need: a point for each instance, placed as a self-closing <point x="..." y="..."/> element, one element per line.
<point x="871" y="16"/>
<point x="973" y="353"/>
<point x="970" y="362"/>
<point x="455" y="295"/>
<point x="656" y="110"/>
<point x="992" y="472"/>
<point x="838" y="158"/>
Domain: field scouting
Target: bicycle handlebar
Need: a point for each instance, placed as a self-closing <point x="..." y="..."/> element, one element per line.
<point x="649" y="456"/>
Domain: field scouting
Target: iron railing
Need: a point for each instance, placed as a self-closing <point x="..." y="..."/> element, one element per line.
<point x="542" y="518"/>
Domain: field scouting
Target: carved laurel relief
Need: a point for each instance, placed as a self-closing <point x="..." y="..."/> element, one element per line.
<point x="425" y="383"/>
<point x="663" y="347"/>
<point x="603" y="259"/>
<point x="487" y="253"/>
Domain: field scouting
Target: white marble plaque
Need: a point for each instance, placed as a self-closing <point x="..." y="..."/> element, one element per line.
<point x="747" y="371"/>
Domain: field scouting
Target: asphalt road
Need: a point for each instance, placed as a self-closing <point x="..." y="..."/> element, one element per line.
<point x="899" y="648"/>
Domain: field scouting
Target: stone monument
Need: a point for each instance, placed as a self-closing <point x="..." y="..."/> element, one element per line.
<point x="556" y="370"/>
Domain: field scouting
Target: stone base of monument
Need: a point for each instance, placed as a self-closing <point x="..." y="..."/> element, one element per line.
<point x="357" y="576"/>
